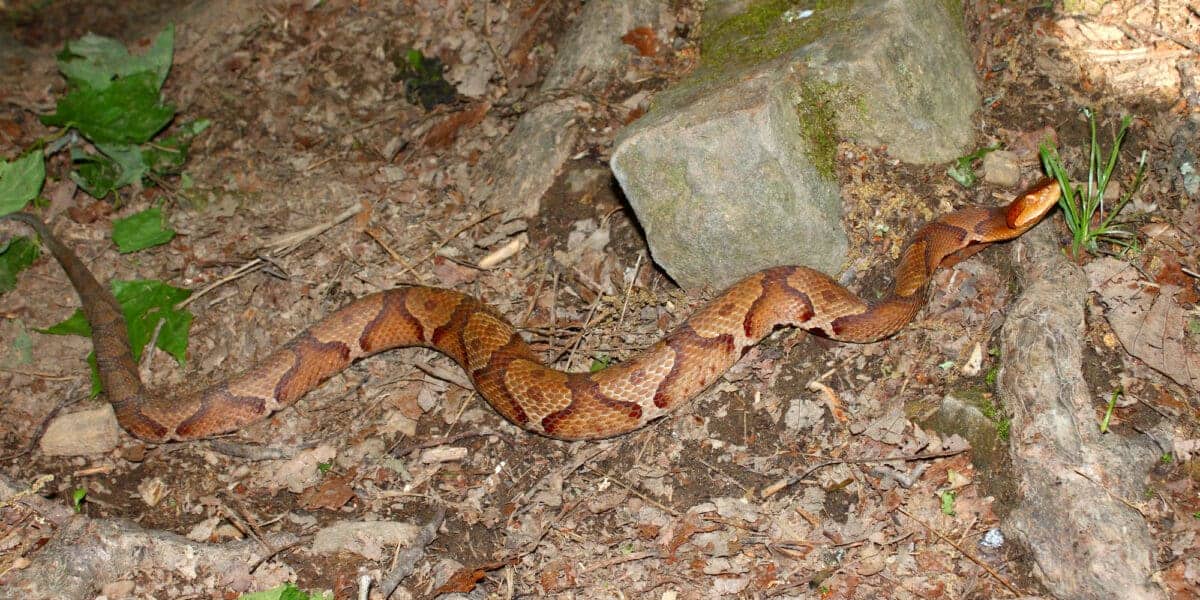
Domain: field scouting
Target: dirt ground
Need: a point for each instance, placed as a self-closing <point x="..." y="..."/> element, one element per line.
<point x="309" y="120"/>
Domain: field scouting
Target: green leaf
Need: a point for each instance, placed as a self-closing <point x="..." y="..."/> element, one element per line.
<point x="166" y="156"/>
<point x="947" y="498"/>
<point x="128" y="111"/>
<point x="76" y="324"/>
<point x="599" y="363"/>
<point x="117" y="166"/>
<point x="287" y="591"/>
<point x="95" y="173"/>
<point x="77" y="496"/>
<point x="962" y="171"/>
<point x="95" y="61"/>
<point x="15" y="256"/>
<point x="141" y="230"/>
<point x="20" y="181"/>
<point x="143" y="303"/>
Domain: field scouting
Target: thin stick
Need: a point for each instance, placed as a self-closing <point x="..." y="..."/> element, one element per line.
<point x="281" y="246"/>
<point x="969" y="556"/>
<point x="584" y="331"/>
<point x="637" y="268"/>
<point x="786" y="483"/>
<point x="458" y="232"/>
<point x="1190" y="45"/>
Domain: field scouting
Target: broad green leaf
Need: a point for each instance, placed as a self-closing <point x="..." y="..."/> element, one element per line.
<point x="167" y="155"/>
<point x="76" y="324"/>
<point x="128" y="111"/>
<point x="143" y="303"/>
<point x="95" y="61"/>
<point x="20" y="181"/>
<point x="21" y="347"/>
<point x="115" y="167"/>
<point x="287" y="591"/>
<point x="15" y="256"/>
<point x="947" y="501"/>
<point x="141" y="230"/>
<point x="95" y="173"/>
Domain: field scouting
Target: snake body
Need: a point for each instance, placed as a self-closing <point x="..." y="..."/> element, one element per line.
<point x="501" y="364"/>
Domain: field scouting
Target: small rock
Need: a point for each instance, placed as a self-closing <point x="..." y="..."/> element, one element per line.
<point x="300" y="472"/>
<point x="443" y="454"/>
<point x="365" y="538"/>
<point x="152" y="490"/>
<point x="369" y="450"/>
<point x="117" y="589"/>
<point x="85" y="432"/>
<point x="975" y="362"/>
<point x="1002" y="168"/>
<point x="871" y="561"/>
<point x="203" y="531"/>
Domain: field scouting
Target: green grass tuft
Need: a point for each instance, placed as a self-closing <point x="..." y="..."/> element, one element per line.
<point x="1083" y="205"/>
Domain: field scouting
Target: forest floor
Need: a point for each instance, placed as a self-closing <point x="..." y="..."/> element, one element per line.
<point x="310" y="121"/>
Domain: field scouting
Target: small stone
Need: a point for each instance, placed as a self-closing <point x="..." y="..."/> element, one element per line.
<point x="117" y="589"/>
<point x="1002" y="168"/>
<point x="152" y="490"/>
<point x="443" y="454"/>
<point x="365" y="538"/>
<point x="85" y="432"/>
<point x="975" y="362"/>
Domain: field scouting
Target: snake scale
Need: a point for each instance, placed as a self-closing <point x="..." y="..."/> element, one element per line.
<point x="501" y="364"/>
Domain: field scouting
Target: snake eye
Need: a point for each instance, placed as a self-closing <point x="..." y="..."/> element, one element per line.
<point x="1033" y="204"/>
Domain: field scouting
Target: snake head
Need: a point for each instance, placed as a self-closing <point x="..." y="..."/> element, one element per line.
<point x="1033" y="204"/>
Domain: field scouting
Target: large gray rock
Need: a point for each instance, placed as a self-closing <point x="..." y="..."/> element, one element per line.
<point x="732" y="170"/>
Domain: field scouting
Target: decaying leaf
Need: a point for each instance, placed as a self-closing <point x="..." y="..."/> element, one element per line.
<point x="1148" y="320"/>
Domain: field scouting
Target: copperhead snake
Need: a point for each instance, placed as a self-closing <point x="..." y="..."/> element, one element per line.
<point x="502" y="366"/>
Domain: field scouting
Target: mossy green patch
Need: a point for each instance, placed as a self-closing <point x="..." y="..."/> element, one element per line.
<point x="983" y="401"/>
<point x="818" y="124"/>
<point x="764" y="30"/>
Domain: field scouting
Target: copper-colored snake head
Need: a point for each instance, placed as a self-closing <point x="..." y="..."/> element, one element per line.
<point x="1033" y="204"/>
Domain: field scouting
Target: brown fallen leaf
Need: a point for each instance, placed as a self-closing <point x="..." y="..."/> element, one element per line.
<point x="444" y="132"/>
<point x="643" y="39"/>
<point x="332" y="494"/>
<point x="1025" y="143"/>
<point x="1148" y="320"/>
<point x="464" y="580"/>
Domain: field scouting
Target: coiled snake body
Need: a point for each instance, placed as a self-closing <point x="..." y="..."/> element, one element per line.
<point x="503" y="367"/>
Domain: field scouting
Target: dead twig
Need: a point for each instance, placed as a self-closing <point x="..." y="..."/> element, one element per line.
<point x="1190" y="45"/>
<point x="446" y="375"/>
<point x="456" y="233"/>
<point x="790" y="481"/>
<point x="450" y="439"/>
<point x="280" y="246"/>
<point x="248" y="451"/>
<point x="971" y="557"/>
<point x="405" y="561"/>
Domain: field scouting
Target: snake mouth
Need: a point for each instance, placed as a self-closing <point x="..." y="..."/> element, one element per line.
<point x="1033" y="204"/>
